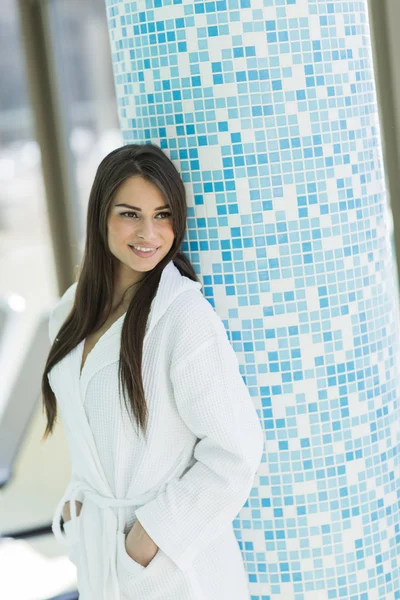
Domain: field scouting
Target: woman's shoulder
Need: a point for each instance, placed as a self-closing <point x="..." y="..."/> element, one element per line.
<point x="61" y="311"/>
<point x="192" y="321"/>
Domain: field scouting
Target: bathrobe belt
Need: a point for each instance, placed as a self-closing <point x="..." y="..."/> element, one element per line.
<point x="99" y="581"/>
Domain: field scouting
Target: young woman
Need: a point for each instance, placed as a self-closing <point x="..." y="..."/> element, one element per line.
<point x="163" y="435"/>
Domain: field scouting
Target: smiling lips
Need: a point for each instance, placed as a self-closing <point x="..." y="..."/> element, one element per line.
<point x="142" y="254"/>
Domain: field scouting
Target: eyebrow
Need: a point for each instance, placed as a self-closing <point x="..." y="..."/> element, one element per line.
<point x="139" y="209"/>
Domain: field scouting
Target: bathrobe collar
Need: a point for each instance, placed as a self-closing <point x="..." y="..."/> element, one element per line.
<point x="107" y="349"/>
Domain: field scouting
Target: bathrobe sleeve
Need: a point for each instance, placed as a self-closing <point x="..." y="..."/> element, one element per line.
<point x="57" y="316"/>
<point x="215" y="404"/>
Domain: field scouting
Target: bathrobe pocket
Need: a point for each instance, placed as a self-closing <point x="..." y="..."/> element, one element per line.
<point x="160" y="576"/>
<point x="127" y="561"/>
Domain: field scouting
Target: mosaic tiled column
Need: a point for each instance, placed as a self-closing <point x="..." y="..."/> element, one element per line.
<point x="268" y="109"/>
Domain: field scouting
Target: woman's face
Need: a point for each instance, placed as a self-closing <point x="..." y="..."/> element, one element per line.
<point x="139" y="216"/>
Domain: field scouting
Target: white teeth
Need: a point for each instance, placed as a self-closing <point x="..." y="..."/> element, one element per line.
<point x="144" y="249"/>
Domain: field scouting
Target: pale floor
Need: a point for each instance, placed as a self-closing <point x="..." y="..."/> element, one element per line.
<point x="37" y="568"/>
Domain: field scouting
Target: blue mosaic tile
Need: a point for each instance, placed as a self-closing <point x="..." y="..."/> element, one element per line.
<point x="268" y="109"/>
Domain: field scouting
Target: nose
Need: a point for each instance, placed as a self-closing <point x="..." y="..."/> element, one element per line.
<point x="146" y="229"/>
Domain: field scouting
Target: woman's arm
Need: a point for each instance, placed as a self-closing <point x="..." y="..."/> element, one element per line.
<point x="216" y="406"/>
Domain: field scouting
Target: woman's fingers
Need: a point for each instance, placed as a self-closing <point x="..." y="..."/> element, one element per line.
<point x="66" y="512"/>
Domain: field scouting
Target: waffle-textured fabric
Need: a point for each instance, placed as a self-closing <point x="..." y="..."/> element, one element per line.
<point x="187" y="482"/>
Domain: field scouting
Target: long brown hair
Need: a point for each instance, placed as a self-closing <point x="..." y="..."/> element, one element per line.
<point x="96" y="279"/>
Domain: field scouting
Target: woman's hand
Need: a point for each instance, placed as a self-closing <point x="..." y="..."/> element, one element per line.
<point x="66" y="511"/>
<point x="139" y="545"/>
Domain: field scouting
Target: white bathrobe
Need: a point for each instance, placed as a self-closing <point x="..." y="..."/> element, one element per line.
<point x="187" y="483"/>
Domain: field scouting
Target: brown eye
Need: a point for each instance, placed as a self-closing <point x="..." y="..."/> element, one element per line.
<point x="165" y="214"/>
<point x="127" y="213"/>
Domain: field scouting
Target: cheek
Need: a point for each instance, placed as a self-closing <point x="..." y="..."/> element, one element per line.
<point x="119" y="229"/>
<point x="169" y="230"/>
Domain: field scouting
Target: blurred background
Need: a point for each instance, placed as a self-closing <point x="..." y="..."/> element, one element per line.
<point x="58" y="119"/>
